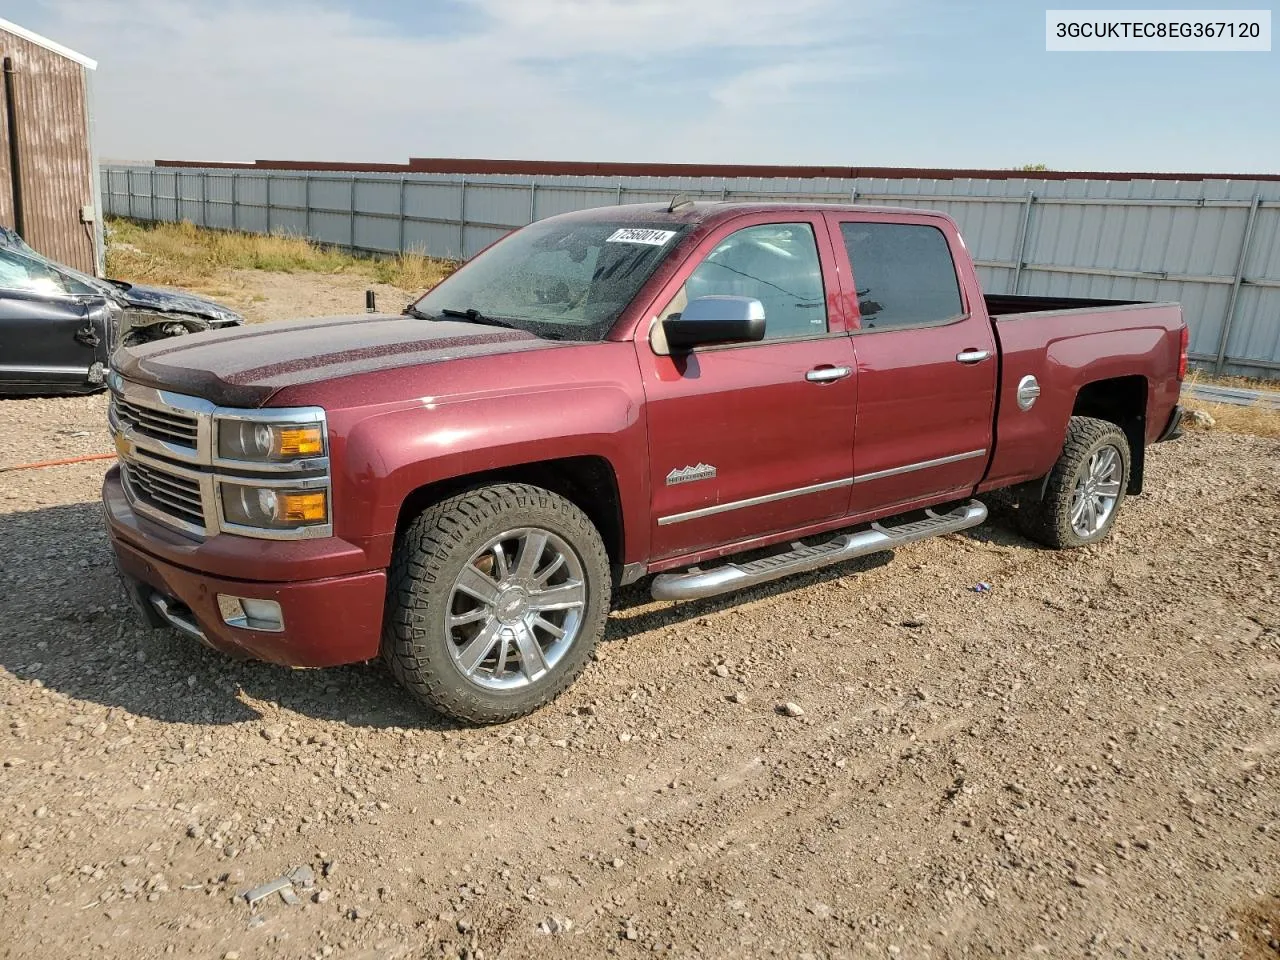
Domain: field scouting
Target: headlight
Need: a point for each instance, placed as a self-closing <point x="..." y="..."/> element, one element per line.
<point x="263" y="507"/>
<point x="274" y="481"/>
<point x="274" y="440"/>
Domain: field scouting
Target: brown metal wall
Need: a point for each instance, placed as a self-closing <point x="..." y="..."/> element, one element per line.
<point x="590" y="168"/>
<point x="53" y="139"/>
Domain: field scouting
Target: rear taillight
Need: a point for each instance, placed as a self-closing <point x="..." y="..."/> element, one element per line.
<point x="1182" y="353"/>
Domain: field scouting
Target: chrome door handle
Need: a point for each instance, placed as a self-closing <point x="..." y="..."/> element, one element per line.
<point x="827" y="374"/>
<point x="972" y="356"/>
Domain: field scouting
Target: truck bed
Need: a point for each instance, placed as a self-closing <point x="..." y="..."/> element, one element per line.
<point x="1004" y="304"/>
<point x="1067" y="343"/>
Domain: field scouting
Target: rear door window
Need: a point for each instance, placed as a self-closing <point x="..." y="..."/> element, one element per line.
<point x="903" y="273"/>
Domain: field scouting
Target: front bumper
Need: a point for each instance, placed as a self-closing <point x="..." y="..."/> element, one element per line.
<point x="328" y="620"/>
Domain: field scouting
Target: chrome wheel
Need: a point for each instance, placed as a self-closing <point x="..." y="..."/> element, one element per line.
<point x="516" y="608"/>
<point x="1096" y="492"/>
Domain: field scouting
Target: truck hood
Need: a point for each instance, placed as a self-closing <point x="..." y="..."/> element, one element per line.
<point x="244" y="366"/>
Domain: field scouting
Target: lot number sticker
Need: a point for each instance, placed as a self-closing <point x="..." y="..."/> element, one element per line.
<point x="653" y="238"/>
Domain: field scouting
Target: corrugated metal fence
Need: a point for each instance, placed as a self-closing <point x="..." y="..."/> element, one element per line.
<point x="1213" y="245"/>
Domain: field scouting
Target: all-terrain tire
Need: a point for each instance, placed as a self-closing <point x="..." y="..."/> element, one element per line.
<point x="428" y="558"/>
<point x="1047" y="519"/>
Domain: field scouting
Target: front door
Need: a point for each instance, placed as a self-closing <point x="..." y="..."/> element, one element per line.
<point x="47" y="335"/>
<point x="754" y="438"/>
<point x="926" y="362"/>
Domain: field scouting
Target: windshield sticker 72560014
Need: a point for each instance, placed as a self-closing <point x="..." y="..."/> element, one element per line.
<point x="653" y="238"/>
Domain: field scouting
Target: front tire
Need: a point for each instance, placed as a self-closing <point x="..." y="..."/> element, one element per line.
<point x="1085" y="490"/>
<point x="496" y="598"/>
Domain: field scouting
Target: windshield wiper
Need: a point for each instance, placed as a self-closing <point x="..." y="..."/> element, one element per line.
<point x="412" y="311"/>
<point x="475" y="316"/>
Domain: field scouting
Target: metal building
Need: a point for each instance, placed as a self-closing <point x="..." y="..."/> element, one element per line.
<point x="48" y="179"/>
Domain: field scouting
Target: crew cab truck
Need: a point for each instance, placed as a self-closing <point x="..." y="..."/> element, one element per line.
<point x="603" y="396"/>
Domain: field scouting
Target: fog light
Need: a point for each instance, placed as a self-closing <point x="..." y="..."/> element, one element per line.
<point x="250" y="614"/>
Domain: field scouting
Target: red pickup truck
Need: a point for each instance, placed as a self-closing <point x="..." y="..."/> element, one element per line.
<point x="603" y="396"/>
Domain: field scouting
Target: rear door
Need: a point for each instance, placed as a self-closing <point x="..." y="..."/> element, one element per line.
<point x="753" y="438"/>
<point x="926" y="360"/>
<point x="48" y="333"/>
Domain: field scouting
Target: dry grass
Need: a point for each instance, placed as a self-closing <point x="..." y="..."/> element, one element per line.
<point x="1198" y="378"/>
<point x="1257" y="419"/>
<point x="410" y="271"/>
<point x="184" y="255"/>
<point x="1244" y="383"/>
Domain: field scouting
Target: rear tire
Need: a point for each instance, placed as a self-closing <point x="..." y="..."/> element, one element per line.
<point x="1085" y="489"/>
<point x="496" y="598"/>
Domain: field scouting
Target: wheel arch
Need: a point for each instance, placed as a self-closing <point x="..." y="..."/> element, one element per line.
<point x="589" y="482"/>
<point x="1122" y="401"/>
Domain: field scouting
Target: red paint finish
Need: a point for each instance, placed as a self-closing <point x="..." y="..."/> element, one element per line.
<point x="412" y="406"/>
<point x="393" y="431"/>
<point x="227" y="556"/>
<point x="931" y="409"/>
<point x="762" y="425"/>
<point x="800" y="434"/>
<point x="246" y="366"/>
<point x="916" y="402"/>
<point x="329" y="620"/>
<point x="1066" y="350"/>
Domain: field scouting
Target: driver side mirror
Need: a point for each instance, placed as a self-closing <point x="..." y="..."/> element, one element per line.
<point x="708" y="320"/>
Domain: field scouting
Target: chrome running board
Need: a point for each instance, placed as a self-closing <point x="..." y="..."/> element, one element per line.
<point x="695" y="584"/>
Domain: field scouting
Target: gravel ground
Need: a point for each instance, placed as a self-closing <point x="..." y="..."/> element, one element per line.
<point x="1081" y="762"/>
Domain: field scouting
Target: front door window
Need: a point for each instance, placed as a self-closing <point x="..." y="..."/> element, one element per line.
<point x="774" y="263"/>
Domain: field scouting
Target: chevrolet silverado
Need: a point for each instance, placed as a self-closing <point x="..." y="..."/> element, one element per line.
<point x="603" y="396"/>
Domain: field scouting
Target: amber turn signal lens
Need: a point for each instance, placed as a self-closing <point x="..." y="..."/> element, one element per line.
<point x="272" y="508"/>
<point x="301" y="507"/>
<point x="301" y="442"/>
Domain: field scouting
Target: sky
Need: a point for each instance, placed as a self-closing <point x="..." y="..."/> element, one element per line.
<point x="835" y="82"/>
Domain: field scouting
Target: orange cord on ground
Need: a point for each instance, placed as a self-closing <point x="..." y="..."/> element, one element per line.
<point x="58" y="463"/>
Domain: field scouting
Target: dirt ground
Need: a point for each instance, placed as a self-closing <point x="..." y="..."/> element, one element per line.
<point x="265" y="295"/>
<point x="1083" y="761"/>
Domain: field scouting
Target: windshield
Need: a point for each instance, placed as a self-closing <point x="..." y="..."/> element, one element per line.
<point x="16" y="257"/>
<point x="35" y="274"/>
<point x="559" y="279"/>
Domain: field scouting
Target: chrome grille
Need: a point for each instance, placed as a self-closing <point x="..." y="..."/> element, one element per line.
<point x="169" y="493"/>
<point x="170" y="470"/>
<point x="171" y="426"/>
